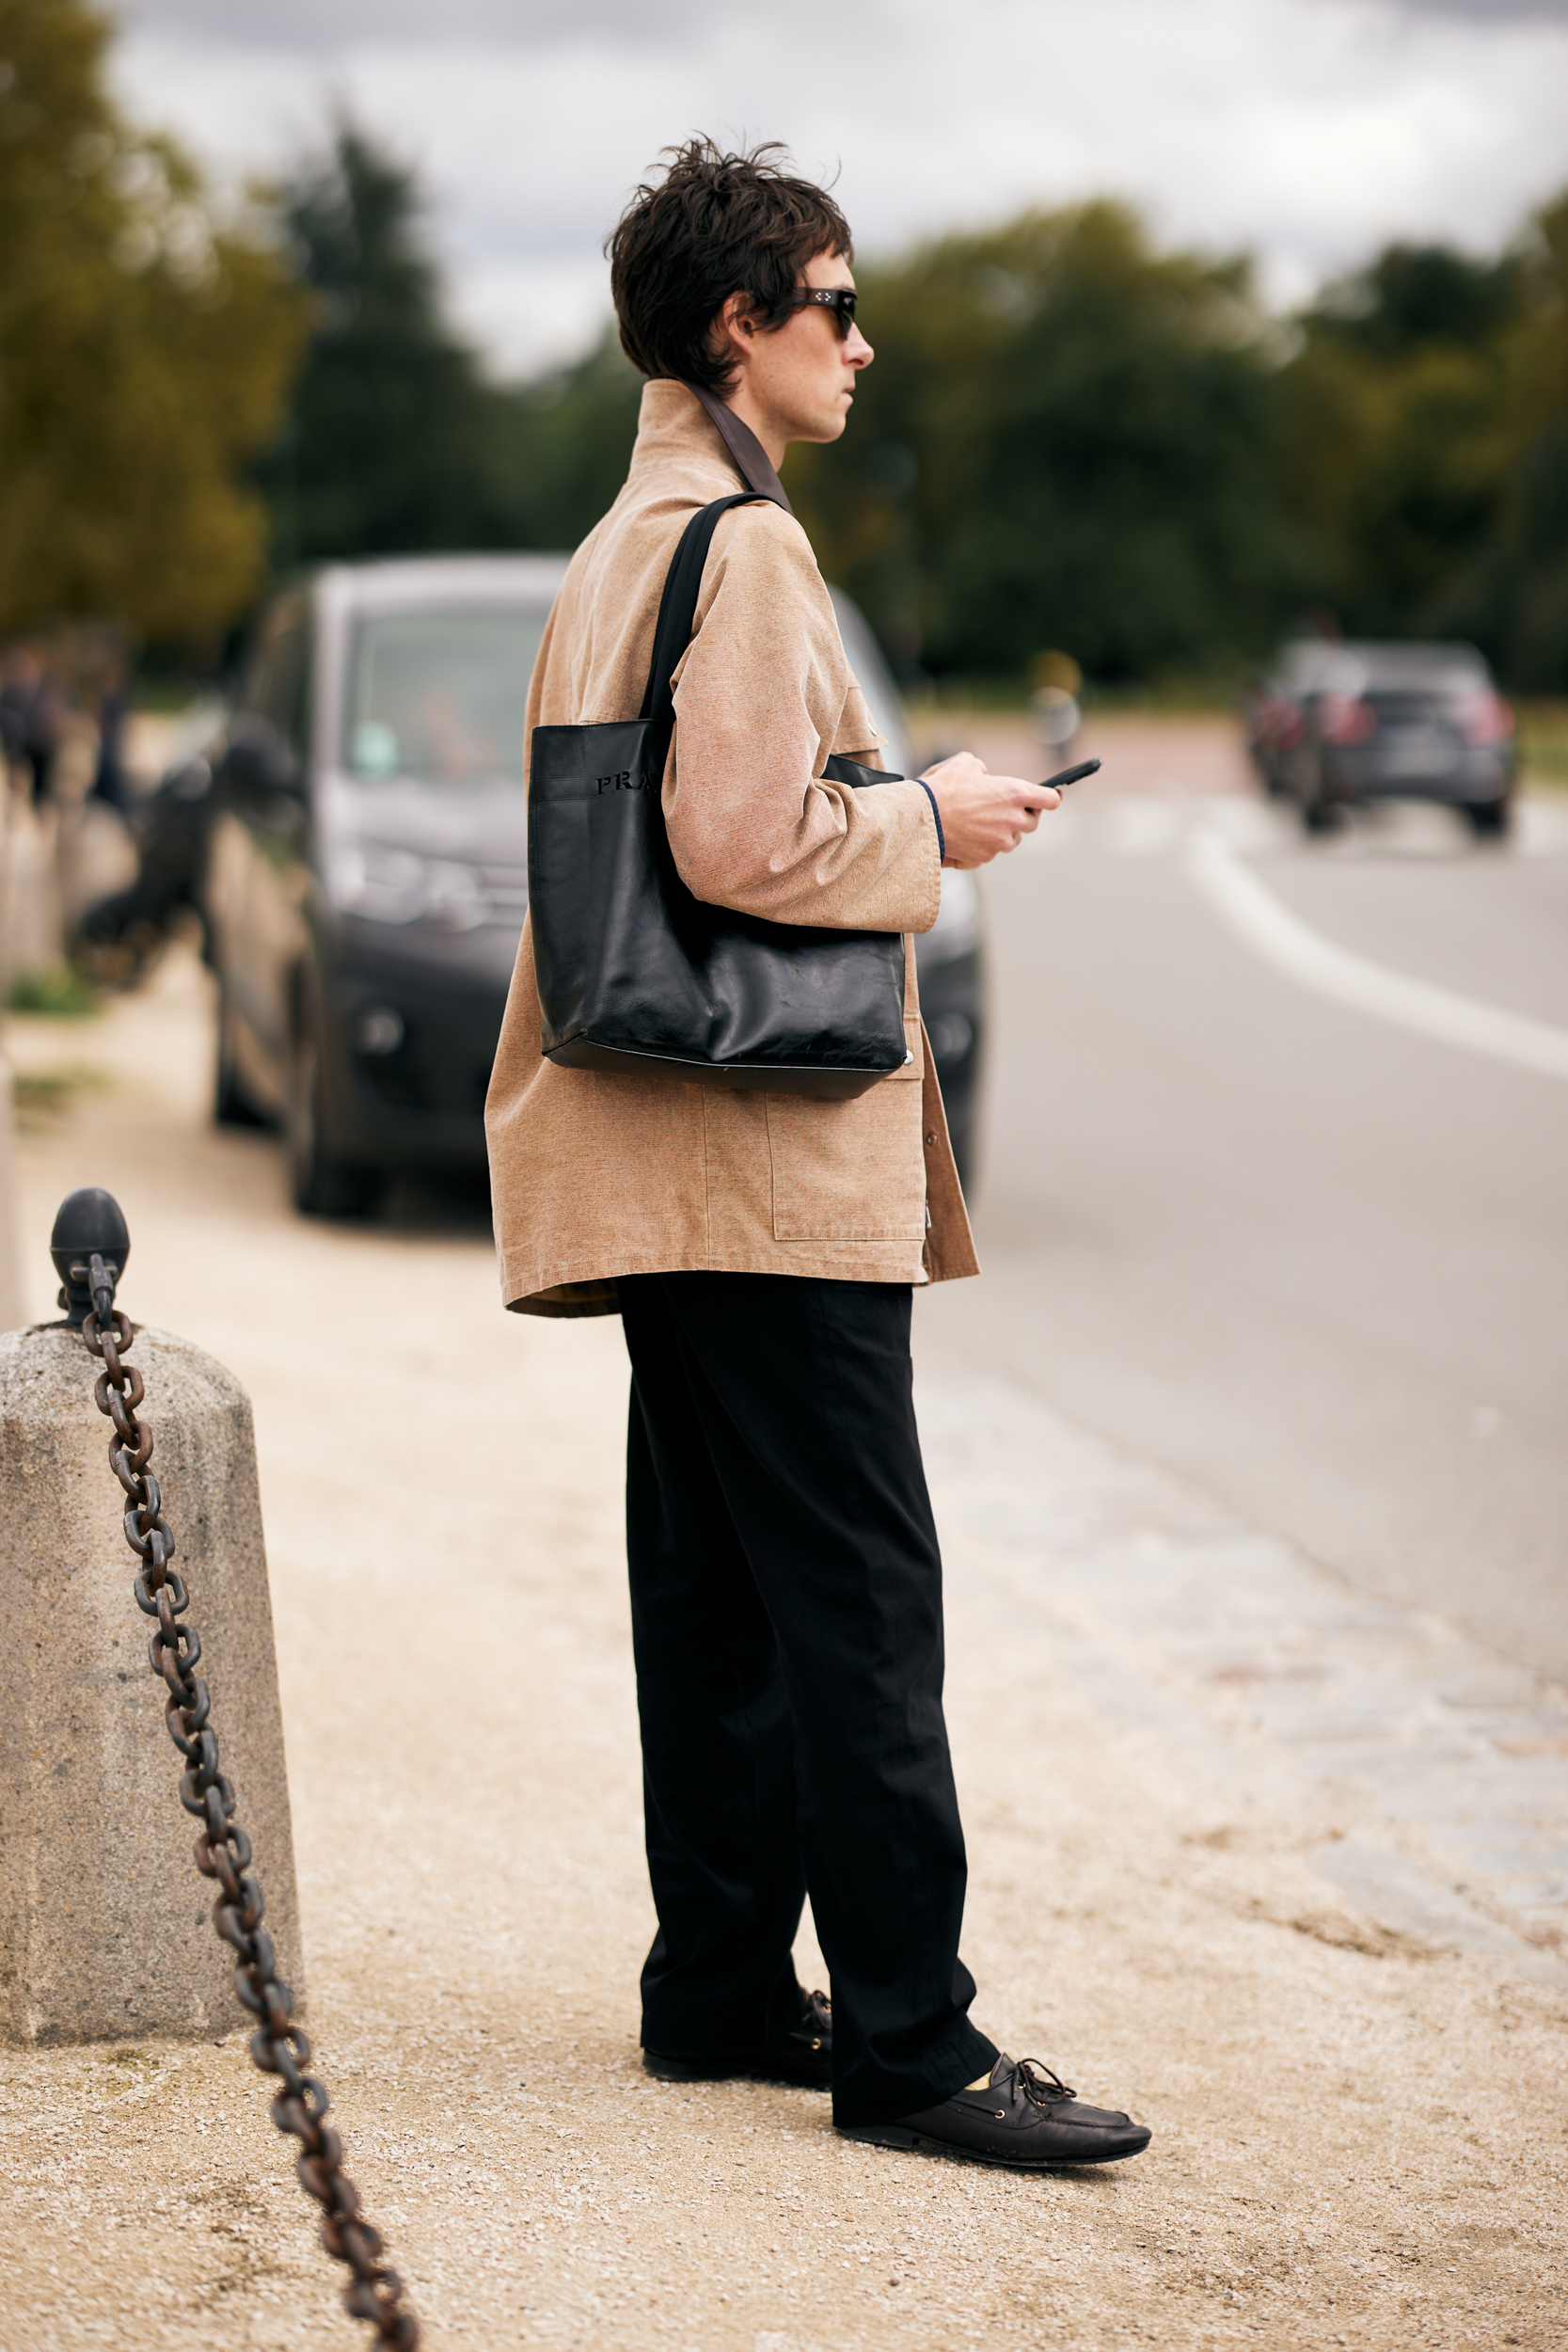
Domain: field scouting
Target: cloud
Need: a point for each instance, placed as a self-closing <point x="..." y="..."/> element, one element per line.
<point x="324" y="27"/>
<point x="1491" y="12"/>
<point x="1308" y="130"/>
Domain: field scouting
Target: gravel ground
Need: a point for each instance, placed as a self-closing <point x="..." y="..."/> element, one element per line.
<point x="1361" y="2134"/>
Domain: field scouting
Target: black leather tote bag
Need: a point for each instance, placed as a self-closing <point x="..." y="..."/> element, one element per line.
<point x="635" y="974"/>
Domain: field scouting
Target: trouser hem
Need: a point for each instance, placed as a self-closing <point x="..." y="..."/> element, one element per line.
<point x="964" y="2054"/>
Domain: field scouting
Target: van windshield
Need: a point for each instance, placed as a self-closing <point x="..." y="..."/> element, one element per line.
<point x="438" y="696"/>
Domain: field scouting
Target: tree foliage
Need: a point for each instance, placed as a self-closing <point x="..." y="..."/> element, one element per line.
<point x="1427" y="448"/>
<point x="1066" y="440"/>
<point x="145" y="349"/>
<point x="395" y="441"/>
<point x="570" y="441"/>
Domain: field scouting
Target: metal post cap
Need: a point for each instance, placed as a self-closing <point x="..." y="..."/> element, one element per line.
<point x="90" y="1223"/>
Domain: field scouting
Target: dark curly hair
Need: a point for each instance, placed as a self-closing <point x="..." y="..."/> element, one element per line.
<point x="713" y="225"/>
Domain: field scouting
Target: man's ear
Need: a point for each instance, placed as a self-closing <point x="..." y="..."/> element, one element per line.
<point x="735" y="329"/>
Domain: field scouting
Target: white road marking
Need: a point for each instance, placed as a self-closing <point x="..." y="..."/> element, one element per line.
<point x="1304" y="956"/>
<point x="1141" y="827"/>
<point x="1156" y="824"/>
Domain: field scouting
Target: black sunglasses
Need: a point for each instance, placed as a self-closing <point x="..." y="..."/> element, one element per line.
<point x="840" y="300"/>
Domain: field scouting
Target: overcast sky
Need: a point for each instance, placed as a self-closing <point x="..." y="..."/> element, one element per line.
<point x="1308" y="130"/>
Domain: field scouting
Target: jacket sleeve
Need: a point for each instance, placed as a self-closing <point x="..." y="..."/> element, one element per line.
<point x="760" y="697"/>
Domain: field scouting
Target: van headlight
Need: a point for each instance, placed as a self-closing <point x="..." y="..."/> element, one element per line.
<point x="384" y="885"/>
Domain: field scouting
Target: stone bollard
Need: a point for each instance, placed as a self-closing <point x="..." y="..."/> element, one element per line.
<point x="106" y="1926"/>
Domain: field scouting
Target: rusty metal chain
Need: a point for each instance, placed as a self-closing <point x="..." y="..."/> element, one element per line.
<point x="278" y="2046"/>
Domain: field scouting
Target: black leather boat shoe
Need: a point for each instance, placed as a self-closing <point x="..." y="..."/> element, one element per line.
<point x="804" y="2058"/>
<point x="1027" y="2119"/>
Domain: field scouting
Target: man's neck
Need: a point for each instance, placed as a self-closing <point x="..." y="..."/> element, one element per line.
<point x="750" y="458"/>
<point x="765" y="429"/>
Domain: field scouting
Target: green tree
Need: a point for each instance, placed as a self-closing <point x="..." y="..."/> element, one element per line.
<point x="145" y="349"/>
<point x="570" y="440"/>
<point x="395" y="441"/>
<point x="1517" y="593"/>
<point x="1427" y="448"/>
<point x="1421" y="297"/>
<point x="1068" y="438"/>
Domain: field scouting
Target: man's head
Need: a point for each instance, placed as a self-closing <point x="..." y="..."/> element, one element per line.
<point x="708" y="270"/>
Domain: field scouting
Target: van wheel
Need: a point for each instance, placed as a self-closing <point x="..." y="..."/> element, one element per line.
<point x="232" y="1106"/>
<point x="1490" y="819"/>
<point x="321" y="1184"/>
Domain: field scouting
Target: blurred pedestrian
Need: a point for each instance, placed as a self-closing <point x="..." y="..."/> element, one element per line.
<point x="1055" y="680"/>
<point x="32" y="718"/>
<point x="110" y="781"/>
<point x="20" y="673"/>
<point x="14" y="694"/>
<point x="762" y="1249"/>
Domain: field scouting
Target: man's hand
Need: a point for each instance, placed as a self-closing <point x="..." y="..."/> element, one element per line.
<point x="982" y="815"/>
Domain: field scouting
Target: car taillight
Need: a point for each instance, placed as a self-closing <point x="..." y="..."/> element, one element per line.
<point x="1345" y="719"/>
<point x="1485" y="718"/>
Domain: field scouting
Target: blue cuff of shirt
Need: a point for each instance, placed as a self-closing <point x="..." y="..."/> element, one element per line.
<point x="942" y="840"/>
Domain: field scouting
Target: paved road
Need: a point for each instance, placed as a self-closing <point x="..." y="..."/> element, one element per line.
<point x="1316" y="1261"/>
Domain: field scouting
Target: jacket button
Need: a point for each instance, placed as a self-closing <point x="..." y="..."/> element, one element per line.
<point x="932" y="1137"/>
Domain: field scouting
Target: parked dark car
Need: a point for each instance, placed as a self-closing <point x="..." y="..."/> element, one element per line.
<point x="366" y="876"/>
<point x="1336" y="726"/>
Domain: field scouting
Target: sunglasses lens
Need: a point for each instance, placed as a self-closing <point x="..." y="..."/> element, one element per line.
<point x="840" y="300"/>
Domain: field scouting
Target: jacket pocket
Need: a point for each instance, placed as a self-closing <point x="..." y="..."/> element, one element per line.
<point x="848" y="1171"/>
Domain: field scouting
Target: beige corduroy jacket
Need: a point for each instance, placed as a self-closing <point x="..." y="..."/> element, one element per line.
<point x="595" y="1175"/>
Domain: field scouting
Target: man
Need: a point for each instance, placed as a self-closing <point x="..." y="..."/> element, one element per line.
<point x="762" y="1249"/>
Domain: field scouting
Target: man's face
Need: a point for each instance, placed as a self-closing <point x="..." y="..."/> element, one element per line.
<point x="800" y="376"/>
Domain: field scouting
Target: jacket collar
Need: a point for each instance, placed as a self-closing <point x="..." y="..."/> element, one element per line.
<point x="681" y="420"/>
<point x="755" y="466"/>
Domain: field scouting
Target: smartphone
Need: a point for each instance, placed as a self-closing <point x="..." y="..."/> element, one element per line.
<point x="1069" y="775"/>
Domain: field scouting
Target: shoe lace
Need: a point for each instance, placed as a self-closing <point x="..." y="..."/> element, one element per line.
<point x="1042" y="2084"/>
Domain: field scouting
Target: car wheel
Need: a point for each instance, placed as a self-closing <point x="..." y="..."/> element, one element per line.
<point x="232" y="1106"/>
<point x="321" y="1183"/>
<point x="1490" y="819"/>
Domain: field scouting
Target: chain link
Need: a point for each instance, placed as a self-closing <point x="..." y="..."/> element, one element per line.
<point x="278" y="2046"/>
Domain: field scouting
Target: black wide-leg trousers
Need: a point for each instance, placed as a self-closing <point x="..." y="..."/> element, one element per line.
<point x="787" y="1620"/>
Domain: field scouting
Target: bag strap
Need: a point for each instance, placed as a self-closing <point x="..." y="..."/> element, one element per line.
<point x="677" y="607"/>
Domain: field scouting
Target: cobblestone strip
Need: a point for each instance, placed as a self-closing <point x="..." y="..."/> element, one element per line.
<point x="1438" y="1771"/>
